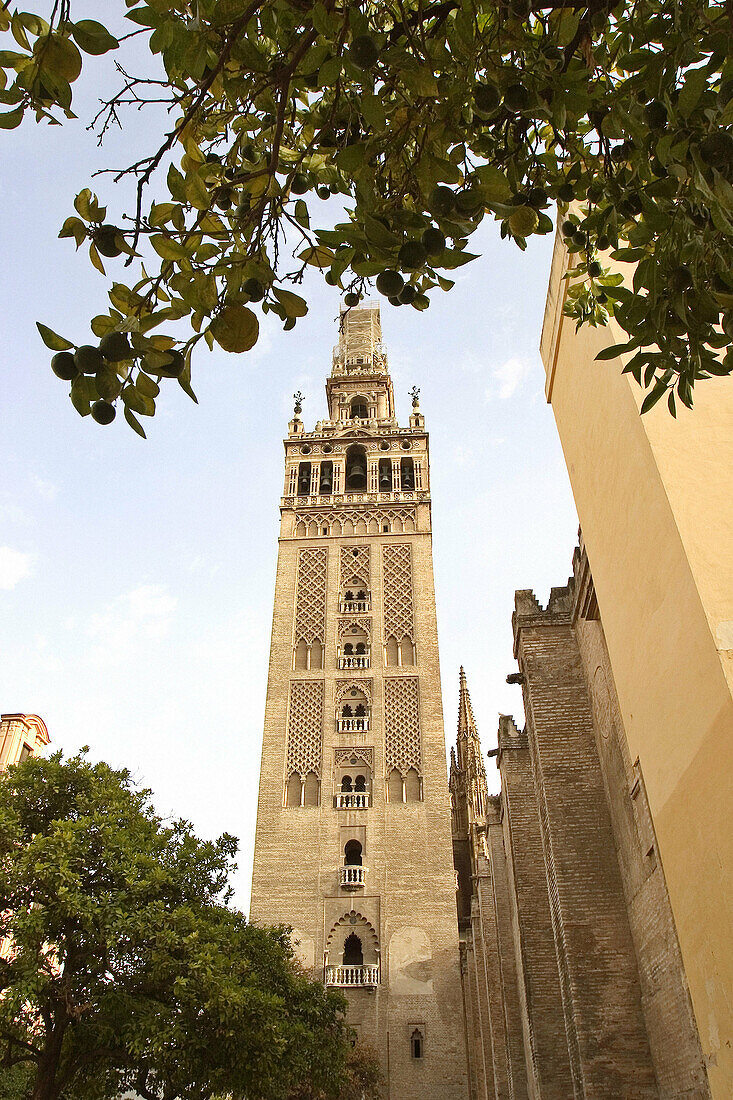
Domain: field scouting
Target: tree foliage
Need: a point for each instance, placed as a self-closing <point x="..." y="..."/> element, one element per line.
<point x="425" y="116"/>
<point x="128" y="969"/>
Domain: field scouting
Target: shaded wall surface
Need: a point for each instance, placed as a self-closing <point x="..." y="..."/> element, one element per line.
<point x="570" y="923"/>
<point x="655" y="504"/>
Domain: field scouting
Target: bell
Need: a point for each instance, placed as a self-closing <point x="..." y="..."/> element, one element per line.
<point x="385" y="481"/>
<point x="357" y="475"/>
<point x="408" y="481"/>
<point x="326" y="483"/>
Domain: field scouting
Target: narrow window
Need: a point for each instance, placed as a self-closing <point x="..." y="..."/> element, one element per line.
<point x="417" y="1044"/>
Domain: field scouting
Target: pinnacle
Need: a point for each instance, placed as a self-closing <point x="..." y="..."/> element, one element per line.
<point x="466" y="720"/>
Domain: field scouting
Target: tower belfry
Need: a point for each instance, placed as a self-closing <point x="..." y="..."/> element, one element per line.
<point x="353" y="842"/>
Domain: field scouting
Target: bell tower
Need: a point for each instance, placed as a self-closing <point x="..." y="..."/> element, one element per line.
<point x="353" y="842"/>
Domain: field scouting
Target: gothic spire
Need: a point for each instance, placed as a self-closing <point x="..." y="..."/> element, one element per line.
<point x="468" y="745"/>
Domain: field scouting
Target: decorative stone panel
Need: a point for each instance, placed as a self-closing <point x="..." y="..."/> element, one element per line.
<point x="346" y="627"/>
<point x="344" y="688"/>
<point x="344" y="756"/>
<point x="305" y="727"/>
<point x="402" y="724"/>
<point x="398" y="607"/>
<point x="310" y="604"/>
<point x="355" y="564"/>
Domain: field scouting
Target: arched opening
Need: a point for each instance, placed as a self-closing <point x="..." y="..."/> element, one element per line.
<point x="325" y="487"/>
<point x="304" y="479"/>
<point x="358" y="409"/>
<point x="293" y="791"/>
<point x="385" y="475"/>
<point x="316" y="655"/>
<point x="352" y="853"/>
<point x="354" y="648"/>
<point x="360" y="784"/>
<point x="394" y="787"/>
<point x="301" y="654"/>
<point x="412" y="786"/>
<point x="407" y="651"/>
<point x="353" y="951"/>
<point x="310" y="790"/>
<point x="417" y="1044"/>
<point x="391" y="652"/>
<point x="352" y="712"/>
<point x="346" y="784"/>
<point x="356" y="468"/>
<point x="407" y="473"/>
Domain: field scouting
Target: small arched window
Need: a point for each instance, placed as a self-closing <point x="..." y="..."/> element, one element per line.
<point x="304" y="479"/>
<point x="417" y="1044"/>
<point x="346" y="784"/>
<point x="347" y="712"/>
<point x="360" y="648"/>
<point x="360" y="784"/>
<point x="356" y="467"/>
<point x="353" y="951"/>
<point x="348" y="649"/>
<point x="352" y="853"/>
<point x="360" y="711"/>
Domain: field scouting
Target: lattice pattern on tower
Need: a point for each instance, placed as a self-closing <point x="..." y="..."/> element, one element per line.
<point x="305" y="727"/>
<point x="310" y="605"/>
<point x="402" y="724"/>
<point x="398" y="610"/>
<point x="355" y="564"/>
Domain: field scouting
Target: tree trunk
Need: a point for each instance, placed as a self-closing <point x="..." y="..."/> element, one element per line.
<point x="46" y="1086"/>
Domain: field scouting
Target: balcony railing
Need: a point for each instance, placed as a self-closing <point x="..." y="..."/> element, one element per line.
<point x="352" y="801"/>
<point x="352" y="725"/>
<point x="354" y="607"/>
<point x="362" y="661"/>
<point x="352" y="878"/>
<point x="352" y="975"/>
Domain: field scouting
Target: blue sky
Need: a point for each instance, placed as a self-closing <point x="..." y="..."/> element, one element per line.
<point x="136" y="577"/>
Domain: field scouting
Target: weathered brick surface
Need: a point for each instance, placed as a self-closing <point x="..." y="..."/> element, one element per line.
<point x="534" y="943"/>
<point x="607" y="1041"/>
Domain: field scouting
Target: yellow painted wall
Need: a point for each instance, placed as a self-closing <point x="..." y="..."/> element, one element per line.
<point x="655" y="501"/>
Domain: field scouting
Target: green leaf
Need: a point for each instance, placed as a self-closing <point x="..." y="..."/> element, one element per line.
<point x="80" y="395"/>
<point x="134" y="423"/>
<point x="52" y="340"/>
<point x="236" y="328"/>
<point x="92" y="37"/>
<point x="317" y="256"/>
<point x="691" y="90"/>
<point x="293" y="304"/>
<point x="301" y="213"/>
<point x="653" y="396"/>
<point x="74" y="227"/>
<point x="11" y="119"/>
<point x="615" y="350"/>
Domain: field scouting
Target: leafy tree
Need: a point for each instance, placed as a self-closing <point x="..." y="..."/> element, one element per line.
<point x="425" y="115"/>
<point x="128" y="969"/>
<point x="363" y="1079"/>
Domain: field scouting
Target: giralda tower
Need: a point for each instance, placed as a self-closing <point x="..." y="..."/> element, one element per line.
<point x="353" y="844"/>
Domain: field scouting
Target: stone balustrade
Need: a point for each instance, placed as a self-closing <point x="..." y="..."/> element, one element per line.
<point x="352" y="975"/>
<point x="352" y="877"/>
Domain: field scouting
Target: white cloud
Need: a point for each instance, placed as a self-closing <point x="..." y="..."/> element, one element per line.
<point x="507" y="378"/>
<point x="15" y="566"/>
<point x="131" y="622"/>
<point x="46" y="489"/>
